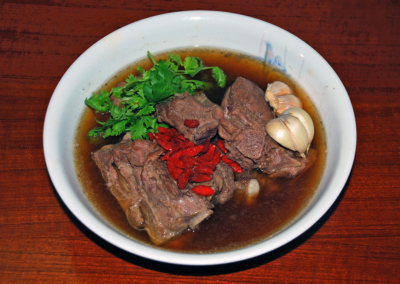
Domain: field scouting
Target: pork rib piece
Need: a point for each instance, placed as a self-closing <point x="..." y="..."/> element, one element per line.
<point x="146" y="191"/>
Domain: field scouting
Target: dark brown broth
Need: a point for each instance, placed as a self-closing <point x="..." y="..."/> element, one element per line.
<point x="240" y="222"/>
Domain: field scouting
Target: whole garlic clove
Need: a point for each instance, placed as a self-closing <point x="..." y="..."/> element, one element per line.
<point x="280" y="97"/>
<point x="286" y="102"/>
<point x="289" y="132"/>
<point x="278" y="131"/>
<point x="305" y="119"/>
<point x="297" y="132"/>
<point x="279" y="88"/>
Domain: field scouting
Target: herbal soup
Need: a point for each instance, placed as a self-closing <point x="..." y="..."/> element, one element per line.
<point x="242" y="220"/>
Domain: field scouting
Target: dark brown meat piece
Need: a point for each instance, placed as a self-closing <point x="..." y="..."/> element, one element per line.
<point x="146" y="192"/>
<point x="243" y="127"/>
<point x="187" y="106"/>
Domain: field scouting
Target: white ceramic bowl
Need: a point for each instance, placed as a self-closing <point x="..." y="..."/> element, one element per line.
<point x="207" y="29"/>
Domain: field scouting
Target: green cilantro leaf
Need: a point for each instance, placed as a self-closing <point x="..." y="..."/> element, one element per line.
<point x="138" y="130"/>
<point x="100" y="103"/>
<point x="219" y="76"/>
<point x="191" y="63"/>
<point x="141" y="94"/>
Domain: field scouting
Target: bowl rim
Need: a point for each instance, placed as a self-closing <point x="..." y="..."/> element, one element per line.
<point x="117" y="239"/>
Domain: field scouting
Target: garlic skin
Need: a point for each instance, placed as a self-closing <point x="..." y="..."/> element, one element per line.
<point x="280" y="97"/>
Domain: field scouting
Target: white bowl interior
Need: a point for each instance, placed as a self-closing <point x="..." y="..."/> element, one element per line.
<point x="204" y="29"/>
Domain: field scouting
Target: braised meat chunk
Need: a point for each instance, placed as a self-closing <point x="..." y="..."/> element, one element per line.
<point x="146" y="192"/>
<point x="194" y="107"/>
<point x="245" y="114"/>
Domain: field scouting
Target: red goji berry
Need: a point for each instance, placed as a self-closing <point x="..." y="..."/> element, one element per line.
<point x="161" y="136"/>
<point x="163" y="130"/>
<point x="226" y="160"/>
<point x="191" y="123"/>
<point x="175" y="138"/>
<point x="196" y="177"/>
<point x="187" y="144"/>
<point x="191" y="152"/>
<point x="166" y="145"/>
<point x="188" y="162"/>
<point x="208" y="165"/>
<point x="178" y="163"/>
<point x="204" y="158"/>
<point x="203" y="170"/>
<point x="167" y="131"/>
<point x="206" y="146"/>
<point x="221" y="145"/>
<point x="235" y="167"/>
<point x="203" y="190"/>
<point x="216" y="158"/>
<point x="211" y="150"/>
<point x="176" y="147"/>
<point x="174" y="171"/>
<point x="183" y="179"/>
<point x="180" y="137"/>
<point x="151" y="136"/>
<point x="207" y="157"/>
<point x="165" y="157"/>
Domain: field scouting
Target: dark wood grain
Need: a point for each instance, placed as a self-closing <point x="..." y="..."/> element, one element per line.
<point x="358" y="240"/>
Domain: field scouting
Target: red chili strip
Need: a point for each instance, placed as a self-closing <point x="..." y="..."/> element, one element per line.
<point x="203" y="190"/>
<point x="183" y="179"/>
<point x="191" y="123"/>
<point x="196" y="177"/>
<point x="221" y="145"/>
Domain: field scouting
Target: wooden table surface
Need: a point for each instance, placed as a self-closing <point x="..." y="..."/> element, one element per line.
<point x="358" y="240"/>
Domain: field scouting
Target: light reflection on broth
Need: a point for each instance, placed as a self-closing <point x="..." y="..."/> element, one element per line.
<point x="238" y="223"/>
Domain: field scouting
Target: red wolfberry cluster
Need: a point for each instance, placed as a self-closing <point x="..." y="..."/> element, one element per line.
<point x="187" y="162"/>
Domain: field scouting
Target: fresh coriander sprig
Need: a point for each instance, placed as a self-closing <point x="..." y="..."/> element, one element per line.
<point x="140" y="95"/>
